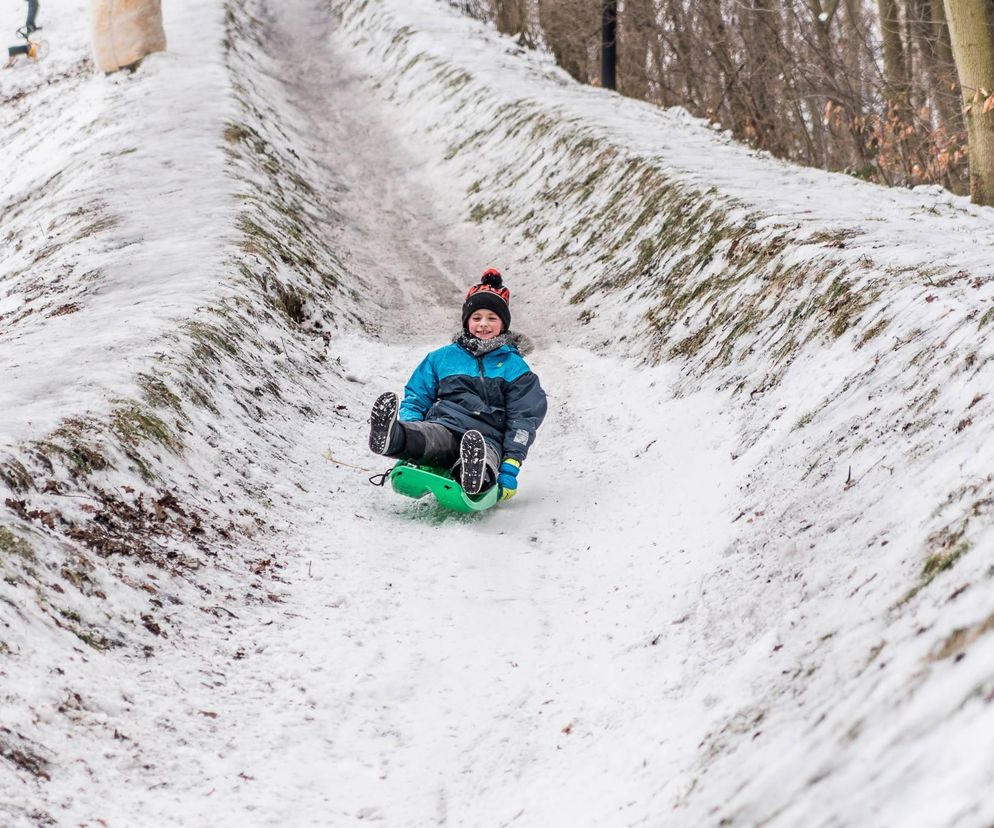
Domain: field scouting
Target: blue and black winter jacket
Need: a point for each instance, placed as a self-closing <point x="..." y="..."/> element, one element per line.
<point x="495" y="393"/>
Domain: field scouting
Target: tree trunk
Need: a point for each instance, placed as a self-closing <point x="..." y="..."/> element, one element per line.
<point x="636" y="22"/>
<point x="853" y="82"/>
<point x="125" y="31"/>
<point x="511" y="16"/>
<point x="726" y="91"/>
<point x="943" y="46"/>
<point x="692" y="85"/>
<point x="926" y="32"/>
<point x="895" y="69"/>
<point x="972" y="39"/>
<point x="759" y="27"/>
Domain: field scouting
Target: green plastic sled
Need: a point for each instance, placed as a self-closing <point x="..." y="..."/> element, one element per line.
<point x="418" y="481"/>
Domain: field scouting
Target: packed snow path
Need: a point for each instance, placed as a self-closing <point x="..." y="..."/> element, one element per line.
<point x="537" y="663"/>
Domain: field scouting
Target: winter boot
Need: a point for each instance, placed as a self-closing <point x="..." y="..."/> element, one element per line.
<point x="472" y="461"/>
<point x="383" y="423"/>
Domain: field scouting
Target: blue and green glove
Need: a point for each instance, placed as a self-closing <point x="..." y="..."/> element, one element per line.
<point x="507" y="478"/>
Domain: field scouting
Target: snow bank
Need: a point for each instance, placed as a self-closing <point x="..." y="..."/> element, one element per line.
<point x="849" y="326"/>
<point x="165" y="306"/>
<point x="167" y="280"/>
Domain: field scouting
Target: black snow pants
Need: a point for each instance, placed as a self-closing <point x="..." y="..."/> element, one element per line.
<point x="434" y="445"/>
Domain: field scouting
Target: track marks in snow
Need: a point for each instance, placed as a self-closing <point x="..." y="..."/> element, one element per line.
<point x="525" y="658"/>
<point x="535" y="662"/>
<point x="400" y="235"/>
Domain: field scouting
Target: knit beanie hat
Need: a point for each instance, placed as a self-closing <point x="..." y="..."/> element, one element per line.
<point x="489" y="295"/>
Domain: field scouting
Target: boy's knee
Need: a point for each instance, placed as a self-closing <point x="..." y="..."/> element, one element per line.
<point x="431" y="443"/>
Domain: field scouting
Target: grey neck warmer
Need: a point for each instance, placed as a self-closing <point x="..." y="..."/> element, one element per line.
<point x="479" y="347"/>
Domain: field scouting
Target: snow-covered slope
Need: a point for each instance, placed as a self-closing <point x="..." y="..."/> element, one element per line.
<point x="747" y="579"/>
<point x="167" y="299"/>
<point x="849" y="327"/>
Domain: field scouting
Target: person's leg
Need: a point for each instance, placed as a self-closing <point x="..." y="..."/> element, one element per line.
<point x="31" y="24"/>
<point x="14" y="51"/>
<point x="493" y="467"/>
<point x="428" y="443"/>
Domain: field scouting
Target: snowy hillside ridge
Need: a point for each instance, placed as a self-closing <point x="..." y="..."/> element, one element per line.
<point x="228" y="364"/>
<point x="217" y="358"/>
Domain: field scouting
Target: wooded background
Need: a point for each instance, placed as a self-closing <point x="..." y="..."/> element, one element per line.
<point x="867" y="87"/>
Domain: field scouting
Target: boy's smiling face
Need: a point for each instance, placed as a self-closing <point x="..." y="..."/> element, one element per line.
<point x="484" y="324"/>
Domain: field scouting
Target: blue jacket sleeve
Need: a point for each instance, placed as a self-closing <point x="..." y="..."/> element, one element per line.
<point x="420" y="392"/>
<point x="526" y="405"/>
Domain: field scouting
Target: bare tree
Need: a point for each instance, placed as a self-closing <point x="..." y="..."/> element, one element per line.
<point x="511" y="16"/>
<point x="863" y="86"/>
<point x="972" y="36"/>
<point x="895" y="67"/>
<point x="572" y="31"/>
<point x="636" y="29"/>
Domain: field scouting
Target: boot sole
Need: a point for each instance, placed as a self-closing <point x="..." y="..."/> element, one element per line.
<point x="382" y="420"/>
<point x="473" y="461"/>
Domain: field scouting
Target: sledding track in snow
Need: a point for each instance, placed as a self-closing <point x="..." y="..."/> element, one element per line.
<point x="380" y="659"/>
<point x="643" y="636"/>
<point x="521" y="663"/>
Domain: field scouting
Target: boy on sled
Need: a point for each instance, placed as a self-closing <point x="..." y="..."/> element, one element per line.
<point x="472" y="406"/>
